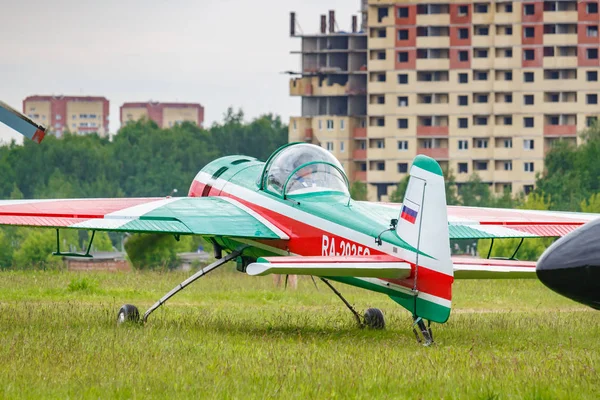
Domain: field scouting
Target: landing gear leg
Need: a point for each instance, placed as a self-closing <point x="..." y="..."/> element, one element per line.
<point x="427" y="339"/>
<point x="356" y="314"/>
<point x="123" y="316"/>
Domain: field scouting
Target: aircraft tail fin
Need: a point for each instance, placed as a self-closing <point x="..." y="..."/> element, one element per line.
<point x="423" y="224"/>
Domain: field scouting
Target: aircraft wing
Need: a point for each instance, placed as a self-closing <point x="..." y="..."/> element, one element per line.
<point x="482" y="268"/>
<point x="21" y="123"/>
<point x="492" y="223"/>
<point x="382" y="266"/>
<point x="209" y="216"/>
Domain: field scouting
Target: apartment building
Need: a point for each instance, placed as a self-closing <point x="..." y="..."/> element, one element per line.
<point x="332" y="82"/>
<point x="165" y="115"/>
<point x="485" y="87"/>
<point x="77" y="114"/>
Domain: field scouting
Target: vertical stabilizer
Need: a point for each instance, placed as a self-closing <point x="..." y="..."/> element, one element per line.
<point x="423" y="224"/>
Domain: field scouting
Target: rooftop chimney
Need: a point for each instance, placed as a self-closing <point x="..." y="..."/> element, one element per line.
<point x="292" y="24"/>
<point x="323" y="24"/>
<point x="331" y="21"/>
<point x="354" y="24"/>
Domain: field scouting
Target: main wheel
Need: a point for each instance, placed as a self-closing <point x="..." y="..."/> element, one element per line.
<point x="374" y="318"/>
<point x="128" y="313"/>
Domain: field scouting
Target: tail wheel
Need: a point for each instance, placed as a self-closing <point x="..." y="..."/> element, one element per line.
<point x="374" y="318"/>
<point x="128" y="313"/>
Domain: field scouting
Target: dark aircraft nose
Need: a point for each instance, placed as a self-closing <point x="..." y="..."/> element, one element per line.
<point x="571" y="266"/>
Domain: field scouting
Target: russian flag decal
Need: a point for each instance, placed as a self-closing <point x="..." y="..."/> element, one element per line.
<point x="409" y="214"/>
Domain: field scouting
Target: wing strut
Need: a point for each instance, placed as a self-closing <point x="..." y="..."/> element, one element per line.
<point x="87" y="252"/>
<point x="184" y="284"/>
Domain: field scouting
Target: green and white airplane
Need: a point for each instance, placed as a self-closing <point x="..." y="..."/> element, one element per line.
<point x="293" y="214"/>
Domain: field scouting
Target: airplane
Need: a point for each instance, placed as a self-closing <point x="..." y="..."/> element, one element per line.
<point x="293" y="215"/>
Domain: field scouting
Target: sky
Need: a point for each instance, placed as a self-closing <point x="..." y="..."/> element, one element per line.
<point x="218" y="53"/>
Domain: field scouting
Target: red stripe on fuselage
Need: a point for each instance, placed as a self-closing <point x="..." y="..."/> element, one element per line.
<point x="307" y="240"/>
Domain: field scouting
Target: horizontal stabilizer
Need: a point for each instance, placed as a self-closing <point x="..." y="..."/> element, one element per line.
<point x="21" y="123"/>
<point x="482" y="268"/>
<point x="359" y="266"/>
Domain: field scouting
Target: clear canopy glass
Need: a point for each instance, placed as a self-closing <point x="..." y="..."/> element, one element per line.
<point x="304" y="168"/>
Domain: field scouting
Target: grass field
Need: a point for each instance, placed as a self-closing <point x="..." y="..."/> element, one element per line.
<point x="234" y="336"/>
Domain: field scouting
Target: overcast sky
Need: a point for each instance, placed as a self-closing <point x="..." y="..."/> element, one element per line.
<point x="218" y="53"/>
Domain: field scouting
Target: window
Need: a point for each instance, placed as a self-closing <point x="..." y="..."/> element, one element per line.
<point x="463" y="55"/>
<point x="330" y="146"/>
<point x="508" y="53"/>
<point x="426" y="99"/>
<point x="528" y="166"/>
<point x="592" y="31"/>
<point x="481" y="98"/>
<point x="528" y="9"/>
<point x="427" y="121"/>
<point x="463" y="144"/>
<point x="508" y="76"/>
<point x="380" y="166"/>
<point x="402" y="168"/>
<point x="402" y="144"/>
<point x="402" y="123"/>
<point x="402" y="12"/>
<point x="528" y="144"/>
<point x="380" y="122"/>
<point x="481" y="8"/>
<point x="553" y="74"/>
<point x="508" y="8"/>
<point x="403" y="56"/>
<point x="592" y="76"/>
<point x="480" y="143"/>
<point x="330" y="124"/>
<point x="480" y="75"/>
<point x="548" y="51"/>
<point x="463" y="11"/>
<point x="592" y="54"/>
<point x="463" y="78"/>
<point x="528" y="122"/>
<point x="380" y="77"/>
<point x="508" y="98"/>
<point x="590" y="121"/>
<point x="528" y="99"/>
<point x="403" y="79"/>
<point x="508" y="143"/>
<point x="507" y="120"/>
<point x="463" y="123"/>
<point x="463" y="33"/>
<point x="554" y="120"/>
<point x="463" y="168"/>
<point x="58" y="117"/>
<point x="403" y="34"/>
<point x="480" y="53"/>
<point x="480" y="120"/>
<point x="381" y="55"/>
<point x="342" y="124"/>
<point x="463" y="100"/>
<point x="528" y="77"/>
<point x="380" y="144"/>
<point x="592" y="98"/>
<point x="402" y="101"/>
<point x="320" y="125"/>
<point x="294" y="124"/>
<point x="553" y="98"/>
<point x="342" y="146"/>
<point x="481" y="165"/>
<point x="528" y="54"/>
<point x="482" y="30"/>
<point x="529" y="32"/>
<point x="591" y="8"/>
<point x="508" y="165"/>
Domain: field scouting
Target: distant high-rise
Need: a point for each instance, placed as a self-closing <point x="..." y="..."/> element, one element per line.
<point x="77" y="114"/>
<point x="485" y="87"/>
<point x="164" y="114"/>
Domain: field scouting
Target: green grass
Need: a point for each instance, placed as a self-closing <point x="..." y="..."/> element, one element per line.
<point x="233" y="336"/>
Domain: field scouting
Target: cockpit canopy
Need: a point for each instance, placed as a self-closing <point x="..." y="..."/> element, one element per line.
<point x="303" y="168"/>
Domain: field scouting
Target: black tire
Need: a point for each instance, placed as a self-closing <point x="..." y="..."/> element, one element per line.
<point x="374" y="319"/>
<point x="128" y="313"/>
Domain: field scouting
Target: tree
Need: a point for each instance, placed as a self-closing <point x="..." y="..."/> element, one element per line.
<point x="358" y="191"/>
<point x="397" y="195"/>
<point x="591" y="205"/>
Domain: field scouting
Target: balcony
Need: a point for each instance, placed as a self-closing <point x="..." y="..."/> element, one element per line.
<point x="432" y="131"/>
<point x="360" y="176"/>
<point x="360" y="133"/>
<point x="482" y="41"/>
<point x="560" y="62"/>
<point x="433" y="19"/>
<point x="424" y="42"/>
<point x="359" y="154"/>
<point x="560" y="130"/>
<point x="329" y="90"/>
<point x="308" y="134"/>
<point x="481" y="153"/>
<point x="507" y="62"/>
<point x="503" y="130"/>
<point x="506" y="41"/>
<point x="561" y="17"/>
<point x="440" y="153"/>
<point x="380" y="176"/>
<point x="486" y="175"/>
<point x="482" y="63"/>
<point x="378" y="87"/>
<point x="300" y="87"/>
<point x="504" y="176"/>
<point x="503" y="153"/>
<point x="376" y="109"/>
<point x="568" y="39"/>
<point x="433" y="64"/>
